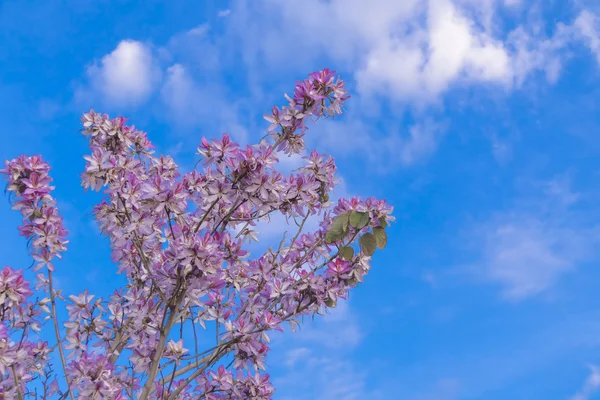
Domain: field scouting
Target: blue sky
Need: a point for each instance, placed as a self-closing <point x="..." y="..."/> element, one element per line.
<point x="477" y="119"/>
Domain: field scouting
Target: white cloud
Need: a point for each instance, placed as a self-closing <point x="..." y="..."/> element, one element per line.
<point x="338" y="329"/>
<point x="422" y="141"/>
<point x="447" y="49"/>
<point x="180" y="94"/>
<point x="384" y="149"/>
<point x="190" y="104"/>
<point x="411" y="51"/>
<point x="530" y="52"/>
<point x="407" y="50"/>
<point x="526" y="250"/>
<point x="527" y="255"/>
<point x="591" y="385"/>
<point x="323" y="378"/>
<point x="224" y="13"/>
<point x="288" y="164"/>
<point x="195" y="50"/>
<point x="588" y="26"/>
<point x="294" y="355"/>
<point x="559" y="189"/>
<point x="501" y="149"/>
<point x="317" y="363"/>
<point x="125" y="77"/>
<point x="338" y="28"/>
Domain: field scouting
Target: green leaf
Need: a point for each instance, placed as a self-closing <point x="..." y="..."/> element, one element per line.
<point x="359" y="219"/>
<point x="368" y="243"/>
<point x="330" y="302"/>
<point x="333" y="236"/>
<point x="338" y="230"/>
<point x="347" y="253"/>
<point x="345" y="221"/>
<point x="380" y="237"/>
<point x="382" y="222"/>
<point x="340" y="223"/>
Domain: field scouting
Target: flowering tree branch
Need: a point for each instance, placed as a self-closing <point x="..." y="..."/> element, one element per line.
<point x="180" y="241"/>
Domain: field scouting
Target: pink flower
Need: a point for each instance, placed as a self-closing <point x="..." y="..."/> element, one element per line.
<point x="179" y="241"/>
<point x="14" y="289"/>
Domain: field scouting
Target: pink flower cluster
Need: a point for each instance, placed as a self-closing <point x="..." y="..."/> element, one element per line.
<point x="319" y="95"/>
<point x="180" y="241"/>
<point x="29" y="181"/>
<point x="22" y="359"/>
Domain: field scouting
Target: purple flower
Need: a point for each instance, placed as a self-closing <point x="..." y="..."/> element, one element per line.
<point x="179" y="241"/>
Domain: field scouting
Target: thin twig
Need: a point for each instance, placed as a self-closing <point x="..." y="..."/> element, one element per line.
<point x="17" y="385"/>
<point x="57" y="332"/>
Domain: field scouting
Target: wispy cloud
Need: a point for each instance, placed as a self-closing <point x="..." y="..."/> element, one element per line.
<point x="185" y="73"/>
<point x="189" y="104"/>
<point x="407" y="55"/>
<point x="526" y="255"/>
<point x="224" y="13"/>
<point x="588" y="25"/>
<point x="532" y="51"/>
<point x="186" y="102"/>
<point x="323" y="378"/>
<point x="411" y="50"/>
<point x="527" y="249"/>
<point x="339" y="329"/>
<point x="384" y="149"/>
<point x="591" y="385"/>
<point x="318" y="363"/>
